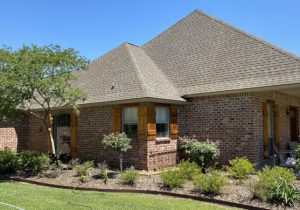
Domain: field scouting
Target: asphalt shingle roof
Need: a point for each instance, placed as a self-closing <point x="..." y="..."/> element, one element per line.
<point x="197" y="55"/>
<point x="124" y="73"/>
<point x="200" y="54"/>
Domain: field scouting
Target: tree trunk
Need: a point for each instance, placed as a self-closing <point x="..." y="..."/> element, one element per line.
<point x="49" y="124"/>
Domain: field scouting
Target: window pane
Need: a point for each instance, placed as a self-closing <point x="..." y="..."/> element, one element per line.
<point x="130" y="115"/>
<point x="162" y="115"/>
<point x="130" y="130"/>
<point x="162" y="130"/>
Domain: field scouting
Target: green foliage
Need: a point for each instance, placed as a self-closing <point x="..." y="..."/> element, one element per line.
<point x="84" y="170"/>
<point x="39" y="74"/>
<point x="105" y="175"/>
<point x="118" y="142"/>
<point x="39" y="77"/>
<point x="210" y="183"/>
<point x="33" y="162"/>
<point x="240" y="168"/>
<point x="268" y="178"/>
<point x="188" y="169"/>
<point x="129" y="177"/>
<point x="298" y="152"/>
<point x="283" y="192"/>
<point x="172" y="179"/>
<point x="203" y="154"/>
<point x="8" y="161"/>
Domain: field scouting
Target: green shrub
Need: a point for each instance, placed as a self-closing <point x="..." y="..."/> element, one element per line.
<point x="105" y="175"/>
<point x="283" y="192"/>
<point x="203" y="154"/>
<point x="210" y="183"/>
<point x="298" y="152"/>
<point x="8" y="161"/>
<point x="172" y="179"/>
<point x="188" y="169"/>
<point x="84" y="170"/>
<point x="240" y="168"/>
<point x="129" y="177"/>
<point x="267" y="182"/>
<point x="33" y="162"/>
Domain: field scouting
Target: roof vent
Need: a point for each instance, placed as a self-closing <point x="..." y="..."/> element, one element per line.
<point x="113" y="85"/>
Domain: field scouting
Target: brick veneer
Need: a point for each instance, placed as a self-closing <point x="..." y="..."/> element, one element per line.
<point x="226" y="120"/>
<point x="13" y="134"/>
<point x="233" y="121"/>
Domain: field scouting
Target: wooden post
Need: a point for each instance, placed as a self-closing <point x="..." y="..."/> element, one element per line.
<point x="73" y="144"/>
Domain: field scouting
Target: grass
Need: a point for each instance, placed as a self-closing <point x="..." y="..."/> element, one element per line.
<point x="31" y="197"/>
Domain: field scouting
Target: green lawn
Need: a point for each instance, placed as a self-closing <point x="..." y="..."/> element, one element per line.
<point x="36" y="197"/>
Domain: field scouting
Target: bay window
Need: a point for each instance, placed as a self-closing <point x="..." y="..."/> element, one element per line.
<point x="162" y="122"/>
<point x="130" y="121"/>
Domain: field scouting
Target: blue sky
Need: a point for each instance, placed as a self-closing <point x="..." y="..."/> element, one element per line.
<point x="94" y="27"/>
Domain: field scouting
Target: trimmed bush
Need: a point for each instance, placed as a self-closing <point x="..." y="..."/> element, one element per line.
<point x="118" y="142"/>
<point x="129" y="177"/>
<point x="83" y="170"/>
<point x="33" y="162"/>
<point x="172" y="179"/>
<point x="203" y="154"/>
<point x="268" y="183"/>
<point x="188" y="169"/>
<point x="240" y="168"/>
<point x="8" y="161"/>
<point x="210" y="183"/>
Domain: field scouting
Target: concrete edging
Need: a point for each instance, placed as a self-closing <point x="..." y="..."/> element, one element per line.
<point x="149" y="192"/>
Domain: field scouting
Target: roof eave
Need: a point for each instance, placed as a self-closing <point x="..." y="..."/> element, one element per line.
<point x="245" y="90"/>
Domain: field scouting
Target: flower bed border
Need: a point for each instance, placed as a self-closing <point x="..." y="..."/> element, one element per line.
<point x="149" y="192"/>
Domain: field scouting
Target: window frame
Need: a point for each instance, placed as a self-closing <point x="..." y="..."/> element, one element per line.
<point x="167" y="136"/>
<point x="129" y="123"/>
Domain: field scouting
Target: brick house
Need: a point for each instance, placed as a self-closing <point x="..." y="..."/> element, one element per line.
<point x="201" y="77"/>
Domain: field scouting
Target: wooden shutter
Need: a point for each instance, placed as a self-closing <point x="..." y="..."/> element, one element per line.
<point x="151" y="124"/>
<point x="142" y="121"/>
<point x="265" y="130"/>
<point x="116" y="119"/>
<point x="173" y="123"/>
<point x="73" y="145"/>
<point x="277" y="126"/>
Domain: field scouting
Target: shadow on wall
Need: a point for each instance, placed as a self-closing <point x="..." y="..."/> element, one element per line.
<point x="14" y="133"/>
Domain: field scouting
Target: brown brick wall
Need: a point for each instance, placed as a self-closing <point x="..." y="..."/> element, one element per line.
<point x="233" y="121"/>
<point x="226" y="120"/>
<point x="13" y="133"/>
<point x="162" y="154"/>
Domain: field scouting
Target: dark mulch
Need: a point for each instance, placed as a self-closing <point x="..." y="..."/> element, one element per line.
<point x="235" y="192"/>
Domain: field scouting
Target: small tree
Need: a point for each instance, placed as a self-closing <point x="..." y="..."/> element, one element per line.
<point x="117" y="142"/>
<point x="39" y="78"/>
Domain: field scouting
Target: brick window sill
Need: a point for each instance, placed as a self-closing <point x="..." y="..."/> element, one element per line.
<point x="163" y="140"/>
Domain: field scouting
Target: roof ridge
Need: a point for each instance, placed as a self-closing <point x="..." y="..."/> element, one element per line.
<point x="198" y="11"/>
<point x="138" y="71"/>
<point x="248" y="34"/>
<point x="173" y="25"/>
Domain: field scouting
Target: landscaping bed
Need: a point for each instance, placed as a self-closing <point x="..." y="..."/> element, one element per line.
<point x="234" y="192"/>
